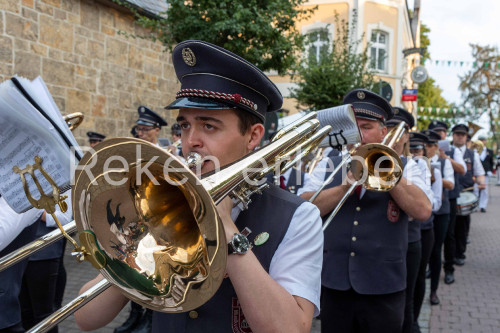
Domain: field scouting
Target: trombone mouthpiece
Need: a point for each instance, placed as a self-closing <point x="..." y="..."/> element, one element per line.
<point x="193" y="159"/>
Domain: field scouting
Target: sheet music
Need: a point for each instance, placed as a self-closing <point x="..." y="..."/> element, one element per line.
<point x="343" y="122"/>
<point x="25" y="134"/>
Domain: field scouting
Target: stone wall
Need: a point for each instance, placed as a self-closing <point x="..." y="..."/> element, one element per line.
<point x="80" y="50"/>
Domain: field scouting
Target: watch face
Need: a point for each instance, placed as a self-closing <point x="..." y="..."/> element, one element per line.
<point x="240" y="243"/>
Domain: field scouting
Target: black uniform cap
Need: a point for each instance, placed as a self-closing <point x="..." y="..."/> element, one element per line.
<point x="460" y="128"/>
<point x="133" y="131"/>
<point x="148" y="117"/>
<point x="369" y="105"/>
<point x="214" y="78"/>
<point x="438" y="125"/>
<point x="432" y="136"/>
<point x="94" y="136"/>
<point x="417" y="140"/>
<point x="400" y="115"/>
<point x="176" y="129"/>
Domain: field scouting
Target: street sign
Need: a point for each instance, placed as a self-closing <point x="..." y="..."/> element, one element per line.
<point x="409" y="95"/>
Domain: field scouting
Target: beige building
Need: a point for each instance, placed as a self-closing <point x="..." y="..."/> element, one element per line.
<point x="387" y="28"/>
<point x="79" y="49"/>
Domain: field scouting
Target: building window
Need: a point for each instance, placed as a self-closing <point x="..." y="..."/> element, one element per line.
<point x="379" y="50"/>
<point x="319" y="42"/>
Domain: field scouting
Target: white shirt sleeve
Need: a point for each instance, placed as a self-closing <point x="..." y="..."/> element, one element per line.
<point x="12" y="224"/>
<point x="314" y="180"/>
<point x="297" y="263"/>
<point x="459" y="157"/>
<point x="478" y="166"/>
<point x="415" y="175"/>
<point x="437" y="189"/>
<point x="449" y="175"/>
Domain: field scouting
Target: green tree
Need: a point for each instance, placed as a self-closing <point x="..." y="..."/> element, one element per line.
<point x="323" y="81"/>
<point x="261" y="31"/>
<point x="481" y="86"/>
<point x="429" y="94"/>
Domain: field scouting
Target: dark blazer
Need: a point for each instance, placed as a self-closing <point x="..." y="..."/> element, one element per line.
<point x="488" y="160"/>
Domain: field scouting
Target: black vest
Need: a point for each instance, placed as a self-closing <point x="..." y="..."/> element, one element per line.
<point x="366" y="243"/>
<point x="455" y="193"/>
<point x="12" y="277"/>
<point x="466" y="180"/>
<point x="295" y="181"/>
<point x="445" y="203"/>
<point x="270" y="212"/>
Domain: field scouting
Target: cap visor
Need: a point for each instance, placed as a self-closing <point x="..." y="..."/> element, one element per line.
<point x="197" y="103"/>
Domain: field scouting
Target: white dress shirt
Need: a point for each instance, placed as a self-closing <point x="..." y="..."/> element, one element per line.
<point x="477" y="166"/>
<point x="437" y="188"/>
<point x="448" y="173"/>
<point x="458" y="156"/>
<point x="296" y="264"/>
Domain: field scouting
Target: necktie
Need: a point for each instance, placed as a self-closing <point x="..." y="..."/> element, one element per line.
<point x="282" y="182"/>
<point x="357" y="189"/>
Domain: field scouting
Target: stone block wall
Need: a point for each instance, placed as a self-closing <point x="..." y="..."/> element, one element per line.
<point x="80" y="49"/>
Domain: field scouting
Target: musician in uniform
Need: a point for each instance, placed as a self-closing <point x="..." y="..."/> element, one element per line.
<point x="364" y="260"/>
<point x="149" y="124"/>
<point x="95" y="138"/>
<point x="442" y="216"/>
<point x="274" y="286"/>
<point x="457" y="162"/>
<point x="474" y="174"/>
<point x="486" y="156"/>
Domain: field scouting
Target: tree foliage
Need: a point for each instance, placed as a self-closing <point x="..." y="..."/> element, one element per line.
<point x="481" y="86"/>
<point x="261" y="31"/>
<point x="429" y="94"/>
<point x="323" y="82"/>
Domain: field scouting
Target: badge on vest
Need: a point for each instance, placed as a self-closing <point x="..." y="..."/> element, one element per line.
<point x="239" y="323"/>
<point x="261" y="238"/>
<point x="393" y="211"/>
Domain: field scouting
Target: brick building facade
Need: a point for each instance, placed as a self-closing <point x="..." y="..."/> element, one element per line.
<point x="80" y="50"/>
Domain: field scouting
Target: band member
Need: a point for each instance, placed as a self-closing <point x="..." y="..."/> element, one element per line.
<point x="95" y="138"/>
<point x="176" y="139"/>
<point x="149" y="124"/>
<point x="364" y="261"/>
<point x="418" y="144"/>
<point x="486" y="156"/>
<point x="271" y="287"/>
<point x="414" y="252"/>
<point x="441" y="217"/>
<point x="466" y="183"/>
<point x="457" y="162"/>
<point x="133" y="132"/>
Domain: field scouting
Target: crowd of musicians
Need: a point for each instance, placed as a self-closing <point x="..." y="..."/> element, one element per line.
<point x="366" y="271"/>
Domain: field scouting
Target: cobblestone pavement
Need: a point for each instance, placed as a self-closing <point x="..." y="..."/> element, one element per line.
<point x="471" y="304"/>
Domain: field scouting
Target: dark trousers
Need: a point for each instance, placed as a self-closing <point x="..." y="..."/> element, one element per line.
<point x="461" y="235"/>
<point x="38" y="291"/>
<point x="440" y="229"/>
<point x="348" y="311"/>
<point x="418" y="296"/>
<point x="413" y="258"/>
<point x="18" y="328"/>
<point x="449" y="242"/>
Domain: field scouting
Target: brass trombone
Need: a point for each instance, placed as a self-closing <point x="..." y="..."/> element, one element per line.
<point x="73" y="120"/>
<point x="365" y="161"/>
<point x="164" y="245"/>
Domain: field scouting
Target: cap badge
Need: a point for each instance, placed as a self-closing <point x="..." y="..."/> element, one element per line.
<point x="143" y="109"/>
<point x="188" y="56"/>
<point x="261" y="238"/>
<point x="361" y="95"/>
<point x="396" y="111"/>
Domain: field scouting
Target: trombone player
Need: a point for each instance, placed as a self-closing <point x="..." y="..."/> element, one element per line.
<point x="274" y="285"/>
<point x="364" y="271"/>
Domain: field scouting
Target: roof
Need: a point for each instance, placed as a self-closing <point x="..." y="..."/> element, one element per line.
<point x="155" y="7"/>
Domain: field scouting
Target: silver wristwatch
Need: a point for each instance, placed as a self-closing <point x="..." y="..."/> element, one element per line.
<point x="240" y="243"/>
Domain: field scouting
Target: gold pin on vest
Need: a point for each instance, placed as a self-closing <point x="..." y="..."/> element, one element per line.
<point x="261" y="238"/>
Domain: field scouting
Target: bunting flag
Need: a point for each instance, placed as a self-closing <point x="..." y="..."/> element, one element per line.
<point x="457" y="112"/>
<point x="448" y="119"/>
<point x="461" y="64"/>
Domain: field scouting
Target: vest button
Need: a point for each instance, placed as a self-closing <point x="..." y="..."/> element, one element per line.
<point x="356" y="223"/>
<point x="353" y="254"/>
<point x="354" y="239"/>
<point x="193" y="314"/>
<point x="358" y="209"/>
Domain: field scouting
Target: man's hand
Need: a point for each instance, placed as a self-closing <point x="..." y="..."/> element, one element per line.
<point x="224" y="209"/>
<point x="442" y="154"/>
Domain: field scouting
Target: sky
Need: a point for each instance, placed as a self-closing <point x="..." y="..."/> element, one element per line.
<point x="454" y="25"/>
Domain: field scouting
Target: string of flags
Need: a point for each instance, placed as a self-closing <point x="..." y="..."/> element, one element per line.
<point x="461" y="64"/>
<point x="447" y="119"/>
<point x="460" y="111"/>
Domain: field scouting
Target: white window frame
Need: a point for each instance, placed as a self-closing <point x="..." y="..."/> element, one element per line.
<point x="390" y="44"/>
<point x="317" y="26"/>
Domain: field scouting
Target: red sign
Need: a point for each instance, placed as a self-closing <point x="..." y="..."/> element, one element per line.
<point x="408" y="98"/>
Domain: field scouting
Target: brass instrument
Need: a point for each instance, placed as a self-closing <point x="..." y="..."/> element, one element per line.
<point x="370" y="158"/>
<point x="176" y="146"/>
<point x="318" y="156"/>
<point x="73" y="120"/>
<point x="477" y="145"/>
<point x="160" y="240"/>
